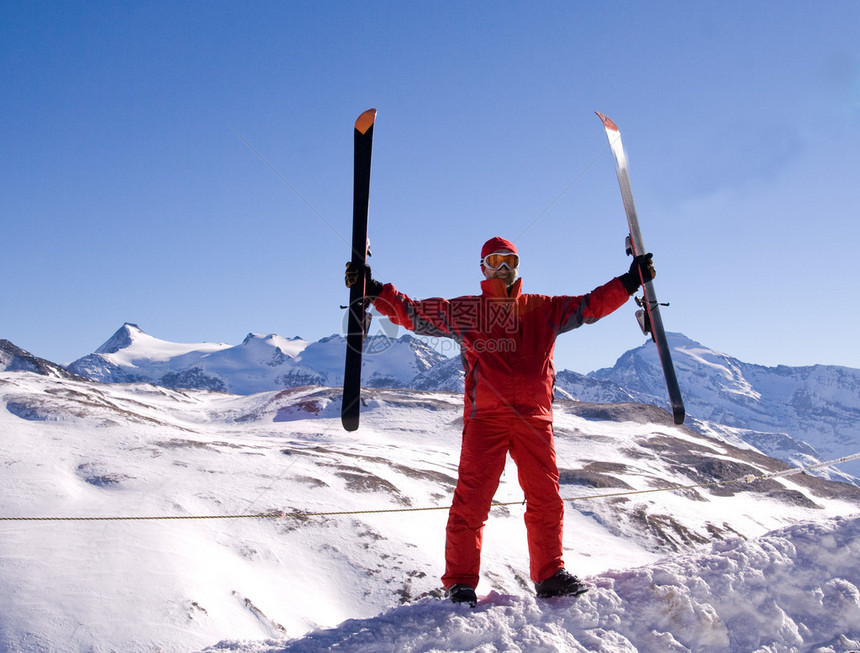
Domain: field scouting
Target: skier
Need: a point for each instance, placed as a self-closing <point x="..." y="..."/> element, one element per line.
<point x="506" y="339"/>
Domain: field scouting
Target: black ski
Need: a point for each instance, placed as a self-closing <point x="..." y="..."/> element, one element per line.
<point x="358" y="303"/>
<point x="649" y="319"/>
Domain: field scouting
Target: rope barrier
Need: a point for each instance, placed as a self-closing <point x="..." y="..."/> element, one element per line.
<point x="749" y="478"/>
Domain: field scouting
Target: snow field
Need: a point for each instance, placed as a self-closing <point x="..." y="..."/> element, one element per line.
<point x="71" y="449"/>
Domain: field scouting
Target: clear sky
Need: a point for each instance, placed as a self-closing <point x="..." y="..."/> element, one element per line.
<point x="187" y="166"/>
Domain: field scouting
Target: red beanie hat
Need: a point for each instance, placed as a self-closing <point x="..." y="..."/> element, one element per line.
<point x="496" y="244"/>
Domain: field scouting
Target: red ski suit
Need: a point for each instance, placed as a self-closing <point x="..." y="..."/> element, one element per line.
<point x="507" y="342"/>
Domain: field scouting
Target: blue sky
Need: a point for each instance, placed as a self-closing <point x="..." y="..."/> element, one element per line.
<point x="187" y="166"/>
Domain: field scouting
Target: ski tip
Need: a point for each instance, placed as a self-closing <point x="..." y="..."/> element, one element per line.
<point x="607" y="121"/>
<point x="365" y="121"/>
<point x="679" y="414"/>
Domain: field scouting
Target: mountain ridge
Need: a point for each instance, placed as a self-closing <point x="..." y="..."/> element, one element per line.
<point x="798" y="414"/>
<point x="801" y="415"/>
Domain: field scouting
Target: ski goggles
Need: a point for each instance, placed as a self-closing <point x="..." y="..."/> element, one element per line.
<point x="496" y="261"/>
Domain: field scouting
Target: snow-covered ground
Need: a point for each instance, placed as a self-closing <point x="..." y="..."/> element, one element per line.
<point x="791" y="590"/>
<point x="772" y="565"/>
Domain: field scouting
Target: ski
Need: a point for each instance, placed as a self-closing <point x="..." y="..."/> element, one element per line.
<point x="649" y="319"/>
<point x="358" y="303"/>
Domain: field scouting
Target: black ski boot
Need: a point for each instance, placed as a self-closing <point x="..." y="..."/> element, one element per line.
<point x="562" y="583"/>
<point x="462" y="594"/>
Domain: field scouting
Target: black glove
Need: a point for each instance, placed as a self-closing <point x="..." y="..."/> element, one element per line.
<point x="372" y="287"/>
<point x="642" y="268"/>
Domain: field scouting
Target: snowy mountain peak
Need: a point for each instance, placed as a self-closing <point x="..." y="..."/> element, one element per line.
<point x="290" y="347"/>
<point x="131" y="344"/>
<point x="677" y="342"/>
<point x="254" y="336"/>
<point x="123" y="338"/>
<point x="677" y="339"/>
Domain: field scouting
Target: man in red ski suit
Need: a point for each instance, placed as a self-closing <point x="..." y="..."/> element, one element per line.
<point x="507" y="340"/>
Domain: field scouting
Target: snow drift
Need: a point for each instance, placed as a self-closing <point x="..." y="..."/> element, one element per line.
<point x="795" y="589"/>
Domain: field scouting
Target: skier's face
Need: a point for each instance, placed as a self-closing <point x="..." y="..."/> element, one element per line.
<point x="504" y="271"/>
